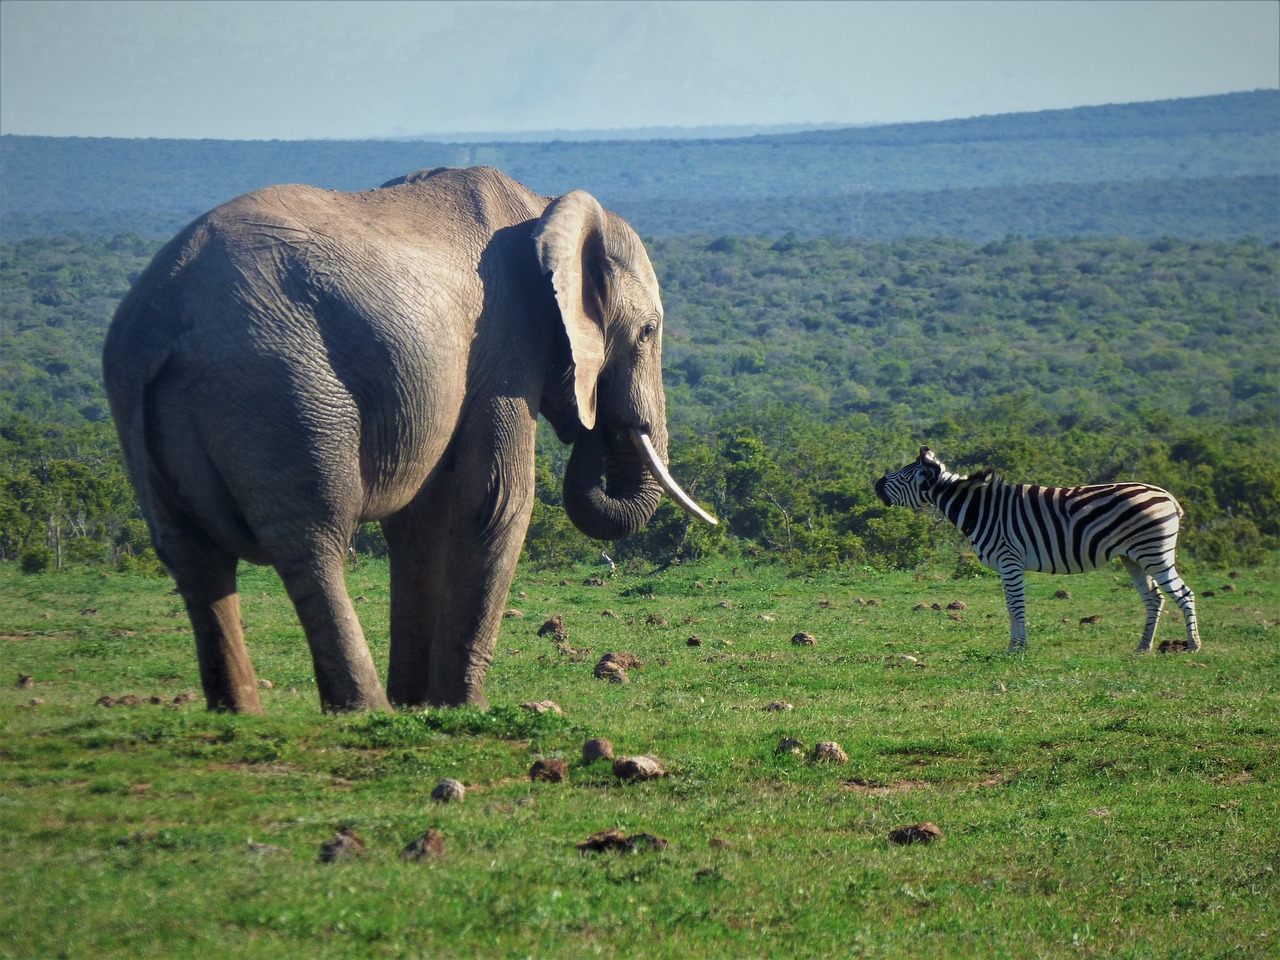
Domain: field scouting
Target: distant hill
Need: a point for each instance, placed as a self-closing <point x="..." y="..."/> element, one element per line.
<point x="717" y="132"/>
<point x="1200" y="168"/>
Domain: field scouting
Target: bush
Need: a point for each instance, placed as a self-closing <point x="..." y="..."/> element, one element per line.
<point x="145" y="562"/>
<point x="36" y="559"/>
<point x="968" y="566"/>
<point x="369" y="541"/>
<point x="1227" y="542"/>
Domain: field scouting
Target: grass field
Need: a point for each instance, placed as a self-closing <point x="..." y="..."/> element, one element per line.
<point x="1092" y="801"/>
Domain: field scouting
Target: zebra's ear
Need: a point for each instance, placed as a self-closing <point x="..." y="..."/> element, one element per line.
<point x="926" y="453"/>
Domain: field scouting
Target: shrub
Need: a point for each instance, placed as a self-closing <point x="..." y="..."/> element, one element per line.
<point x="36" y="559"/>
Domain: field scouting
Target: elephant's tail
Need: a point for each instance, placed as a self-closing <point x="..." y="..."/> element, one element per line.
<point x="130" y="362"/>
<point x="140" y="342"/>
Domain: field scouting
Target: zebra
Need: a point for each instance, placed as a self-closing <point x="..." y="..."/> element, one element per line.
<point x="1015" y="527"/>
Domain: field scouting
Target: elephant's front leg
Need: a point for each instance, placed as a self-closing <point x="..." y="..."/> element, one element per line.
<point x="462" y="539"/>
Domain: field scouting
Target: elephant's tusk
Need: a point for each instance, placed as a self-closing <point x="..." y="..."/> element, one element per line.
<point x="659" y="471"/>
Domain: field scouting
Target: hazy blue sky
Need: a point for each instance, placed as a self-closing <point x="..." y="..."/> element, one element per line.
<point x="289" y="70"/>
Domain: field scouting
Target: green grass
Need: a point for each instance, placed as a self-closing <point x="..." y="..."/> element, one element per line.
<point x="1094" y="802"/>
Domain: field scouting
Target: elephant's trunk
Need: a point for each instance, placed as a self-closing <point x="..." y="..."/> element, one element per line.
<point x="614" y="482"/>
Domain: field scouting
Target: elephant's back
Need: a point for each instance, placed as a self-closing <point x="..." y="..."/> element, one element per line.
<point x="444" y="205"/>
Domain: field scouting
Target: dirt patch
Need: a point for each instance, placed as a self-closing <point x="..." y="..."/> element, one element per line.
<point x="875" y="788"/>
<point x="997" y="779"/>
<point x="915" y="833"/>
<point x="619" y="842"/>
<point x="128" y="700"/>
<point x="258" y="769"/>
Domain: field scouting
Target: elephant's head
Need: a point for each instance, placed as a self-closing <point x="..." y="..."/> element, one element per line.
<point x="607" y="293"/>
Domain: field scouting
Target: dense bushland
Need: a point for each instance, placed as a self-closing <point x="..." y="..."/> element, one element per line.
<point x="797" y="371"/>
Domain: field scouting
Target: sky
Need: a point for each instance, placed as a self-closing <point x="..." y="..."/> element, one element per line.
<point x="264" y="70"/>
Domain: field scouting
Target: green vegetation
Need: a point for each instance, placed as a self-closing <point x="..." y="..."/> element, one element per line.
<point x="797" y="371"/>
<point x="1093" y="802"/>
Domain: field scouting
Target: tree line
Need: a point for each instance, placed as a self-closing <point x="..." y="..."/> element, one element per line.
<point x="797" y="371"/>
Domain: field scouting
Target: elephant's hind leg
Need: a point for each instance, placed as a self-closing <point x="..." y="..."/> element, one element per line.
<point x="344" y="668"/>
<point x="417" y="559"/>
<point x="207" y="581"/>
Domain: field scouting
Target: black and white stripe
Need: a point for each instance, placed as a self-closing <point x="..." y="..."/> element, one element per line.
<point x="1016" y="527"/>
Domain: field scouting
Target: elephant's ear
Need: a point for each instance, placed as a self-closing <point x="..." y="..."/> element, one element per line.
<point x="570" y="243"/>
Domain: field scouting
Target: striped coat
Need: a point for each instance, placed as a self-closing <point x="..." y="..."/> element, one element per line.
<point x="1015" y="527"/>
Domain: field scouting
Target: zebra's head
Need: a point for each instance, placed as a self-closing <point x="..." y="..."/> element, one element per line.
<point x="911" y="486"/>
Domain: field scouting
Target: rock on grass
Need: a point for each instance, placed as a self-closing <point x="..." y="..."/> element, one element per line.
<point x="429" y="846"/>
<point x="638" y="768"/>
<point x="549" y="770"/>
<point x="449" y="790"/>
<point x="343" y="845"/>
<point x="595" y="749"/>
<point x="828" y="751"/>
<point x="614" y="666"/>
<point x="555" y="627"/>
<point x="543" y="706"/>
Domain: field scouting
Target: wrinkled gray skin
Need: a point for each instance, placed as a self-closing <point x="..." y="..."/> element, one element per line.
<point x="299" y="361"/>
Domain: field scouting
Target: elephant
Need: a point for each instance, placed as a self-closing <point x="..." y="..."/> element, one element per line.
<point x="299" y="361"/>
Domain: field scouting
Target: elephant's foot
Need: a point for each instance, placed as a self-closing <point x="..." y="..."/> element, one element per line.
<point x="240" y="700"/>
<point x="354" y="698"/>
<point x="479" y="701"/>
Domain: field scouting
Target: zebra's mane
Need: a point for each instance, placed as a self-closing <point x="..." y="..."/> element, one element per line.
<point x="986" y="475"/>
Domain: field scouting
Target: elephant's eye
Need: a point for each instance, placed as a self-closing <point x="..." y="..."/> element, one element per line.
<point x="648" y="331"/>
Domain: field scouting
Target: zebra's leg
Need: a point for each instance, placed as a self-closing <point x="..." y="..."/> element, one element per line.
<point x="1151" y="599"/>
<point x="1015" y="599"/>
<point x="1186" y="601"/>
